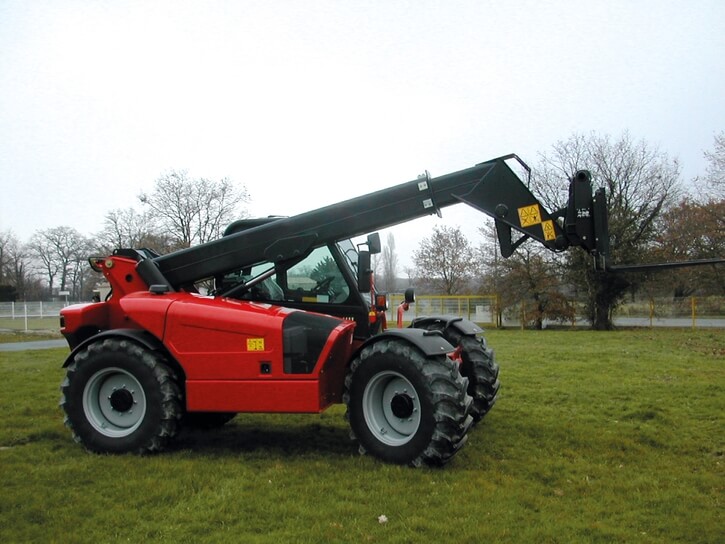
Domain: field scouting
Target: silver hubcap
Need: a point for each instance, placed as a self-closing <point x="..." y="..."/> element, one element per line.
<point x="391" y="408"/>
<point x="114" y="402"/>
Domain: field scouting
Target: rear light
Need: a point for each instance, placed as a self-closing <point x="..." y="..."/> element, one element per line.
<point x="96" y="263"/>
<point x="381" y="302"/>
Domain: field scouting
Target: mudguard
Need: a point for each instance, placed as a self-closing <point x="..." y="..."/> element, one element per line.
<point x="428" y="342"/>
<point x="139" y="336"/>
<point x="464" y="326"/>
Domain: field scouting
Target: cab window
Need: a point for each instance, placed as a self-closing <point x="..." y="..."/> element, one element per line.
<point x="317" y="279"/>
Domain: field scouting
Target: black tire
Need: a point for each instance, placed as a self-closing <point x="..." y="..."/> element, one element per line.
<point x="404" y="407"/>
<point x="119" y="397"/>
<point x="478" y="365"/>
<point x="482" y="372"/>
<point x="206" y="420"/>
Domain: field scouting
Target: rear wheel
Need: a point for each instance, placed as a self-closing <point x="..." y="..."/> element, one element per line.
<point x="477" y="364"/>
<point x="119" y="397"/>
<point x="481" y="370"/>
<point x="404" y="407"/>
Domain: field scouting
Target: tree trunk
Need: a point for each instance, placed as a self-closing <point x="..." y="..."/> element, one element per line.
<point x="602" y="317"/>
<point x="539" y="321"/>
<point x="609" y="290"/>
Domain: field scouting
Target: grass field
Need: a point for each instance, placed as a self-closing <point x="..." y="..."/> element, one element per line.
<point x="596" y="437"/>
<point x="30" y="336"/>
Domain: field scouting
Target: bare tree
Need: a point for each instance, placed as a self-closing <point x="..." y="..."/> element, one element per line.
<point x="194" y="211"/>
<point x="6" y="238"/>
<point x="8" y="288"/>
<point x="15" y="265"/>
<point x="532" y="278"/>
<point x="390" y="263"/>
<point x="715" y="177"/>
<point x="688" y="231"/>
<point x="488" y="257"/>
<point x="640" y="182"/>
<point x="445" y="260"/>
<point x="59" y="251"/>
<point x="132" y="229"/>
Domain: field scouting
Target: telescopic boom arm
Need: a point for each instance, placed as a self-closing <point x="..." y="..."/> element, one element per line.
<point x="491" y="187"/>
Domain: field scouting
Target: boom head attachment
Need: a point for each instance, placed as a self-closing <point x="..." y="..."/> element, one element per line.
<point x="582" y="223"/>
<point x="586" y="222"/>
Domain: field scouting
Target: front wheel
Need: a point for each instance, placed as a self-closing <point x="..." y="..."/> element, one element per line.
<point x="119" y="397"/>
<point x="404" y="407"/>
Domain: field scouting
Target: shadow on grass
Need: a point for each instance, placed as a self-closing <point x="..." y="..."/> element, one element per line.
<point x="270" y="441"/>
<point x="53" y="438"/>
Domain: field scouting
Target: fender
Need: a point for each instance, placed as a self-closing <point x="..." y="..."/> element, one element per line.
<point x="429" y="342"/>
<point x="464" y="326"/>
<point x="142" y="337"/>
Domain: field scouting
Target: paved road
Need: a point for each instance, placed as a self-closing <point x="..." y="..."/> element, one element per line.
<point x="37" y="344"/>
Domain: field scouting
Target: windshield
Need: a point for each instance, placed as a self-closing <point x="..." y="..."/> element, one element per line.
<point x="316" y="278"/>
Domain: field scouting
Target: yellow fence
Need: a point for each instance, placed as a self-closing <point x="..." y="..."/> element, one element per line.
<point x="695" y="312"/>
<point x="479" y="309"/>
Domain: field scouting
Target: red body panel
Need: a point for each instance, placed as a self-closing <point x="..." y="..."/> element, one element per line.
<point x="292" y="396"/>
<point x="145" y="311"/>
<point x="78" y="316"/>
<point x="230" y="351"/>
<point x="211" y="338"/>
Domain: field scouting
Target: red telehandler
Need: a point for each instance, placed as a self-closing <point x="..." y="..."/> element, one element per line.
<point x="293" y="325"/>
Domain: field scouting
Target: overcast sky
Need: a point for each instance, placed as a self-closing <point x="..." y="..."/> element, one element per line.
<point x="308" y="103"/>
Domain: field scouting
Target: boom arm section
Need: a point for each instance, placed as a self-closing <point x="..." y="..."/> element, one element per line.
<point x="491" y="187"/>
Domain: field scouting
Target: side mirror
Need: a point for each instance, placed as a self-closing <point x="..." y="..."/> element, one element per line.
<point x="374" y="246"/>
<point x="410" y="295"/>
<point x="363" y="272"/>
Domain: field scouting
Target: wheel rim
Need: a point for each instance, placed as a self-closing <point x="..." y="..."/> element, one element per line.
<point x="391" y="408"/>
<point x="114" y="402"/>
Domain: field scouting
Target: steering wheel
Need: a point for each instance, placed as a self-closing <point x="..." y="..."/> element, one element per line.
<point x="323" y="284"/>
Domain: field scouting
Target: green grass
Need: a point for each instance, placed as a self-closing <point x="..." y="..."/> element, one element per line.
<point x="596" y="437"/>
<point x="30" y="336"/>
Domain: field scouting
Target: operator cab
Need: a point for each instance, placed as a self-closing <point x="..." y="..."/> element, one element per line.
<point x="317" y="278"/>
<point x="327" y="280"/>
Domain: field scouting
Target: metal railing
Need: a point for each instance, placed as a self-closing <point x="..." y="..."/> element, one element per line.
<point x="481" y="309"/>
<point x="694" y="312"/>
<point x="25" y="316"/>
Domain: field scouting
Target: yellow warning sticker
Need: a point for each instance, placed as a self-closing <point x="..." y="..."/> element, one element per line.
<point x="255" y="344"/>
<point x="529" y="215"/>
<point x="549" y="232"/>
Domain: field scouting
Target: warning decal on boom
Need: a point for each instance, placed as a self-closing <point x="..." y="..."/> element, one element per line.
<point x="529" y="215"/>
<point x="549" y="232"/>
